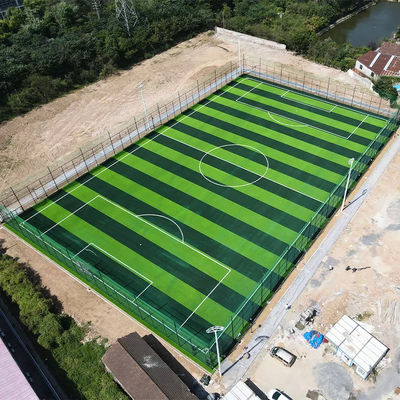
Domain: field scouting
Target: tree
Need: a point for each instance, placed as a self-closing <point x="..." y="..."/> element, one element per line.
<point x="384" y="87"/>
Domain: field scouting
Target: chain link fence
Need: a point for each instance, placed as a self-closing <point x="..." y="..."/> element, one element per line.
<point x="16" y="201"/>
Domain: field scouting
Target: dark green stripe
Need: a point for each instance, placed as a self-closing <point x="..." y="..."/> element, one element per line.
<point x="275" y="164"/>
<point x="342" y="118"/>
<point x="268" y="141"/>
<point x="232" y="194"/>
<point x="207" y="211"/>
<point x="316" y="96"/>
<point x="204" y="243"/>
<point x="155" y="254"/>
<point x="123" y="277"/>
<point x="262" y="122"/>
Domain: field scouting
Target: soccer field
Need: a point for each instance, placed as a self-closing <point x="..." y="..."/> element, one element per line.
<point x="198" y="223"/>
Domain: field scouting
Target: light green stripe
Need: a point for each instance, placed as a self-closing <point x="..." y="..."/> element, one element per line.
<point x="190" y="218"/>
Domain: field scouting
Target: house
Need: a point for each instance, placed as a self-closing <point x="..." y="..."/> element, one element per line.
<point x="142" y="373"/>
<point x="356" y="346"/>
<point x="383" y="62"/>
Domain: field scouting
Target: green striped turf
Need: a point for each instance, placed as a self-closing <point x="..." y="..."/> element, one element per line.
<point x="238" y="211"/>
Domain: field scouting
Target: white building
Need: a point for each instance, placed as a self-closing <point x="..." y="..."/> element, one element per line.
<point x="383" y="62"/>
<point x="356" y="346"/>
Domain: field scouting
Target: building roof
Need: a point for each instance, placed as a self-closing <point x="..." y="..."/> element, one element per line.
<point x="357" y="343"/>
<point x="13" y="384"/>
<point x="392" y="49"/>
<point x="142" y="373"/>
<point x="381" y="64"/>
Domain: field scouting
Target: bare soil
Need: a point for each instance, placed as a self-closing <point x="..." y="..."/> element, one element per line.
<point x="52" y="132"/>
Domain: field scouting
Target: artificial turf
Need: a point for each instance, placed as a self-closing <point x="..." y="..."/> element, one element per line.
<point x="192" y="217"/>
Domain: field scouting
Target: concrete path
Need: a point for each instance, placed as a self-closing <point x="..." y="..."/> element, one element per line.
<point x="234" y="371"/>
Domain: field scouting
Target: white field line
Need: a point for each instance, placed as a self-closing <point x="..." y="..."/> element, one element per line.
<point x="359" y="124"/>
<point x="105" y="283"/>
<point x="309" y="105"/>
<point x="245" y="169"/>
<point x="295" y="120"/>
<point x="150" y="282"/>
<point x="131" y="152"/>
<point x="366" y="115"/>
<point x="69" y="215"/>
<point x="160" y="230"/>
<point x="249" y="91"/>
<point x="205" y="298"/>
<point x="323" y="100"/>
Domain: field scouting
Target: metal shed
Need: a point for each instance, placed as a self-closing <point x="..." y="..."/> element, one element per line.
<point x="356" y="346"/>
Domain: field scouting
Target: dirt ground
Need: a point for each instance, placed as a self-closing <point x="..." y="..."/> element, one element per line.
<point x="28" y="144"/>
<point x="371" y="295"/>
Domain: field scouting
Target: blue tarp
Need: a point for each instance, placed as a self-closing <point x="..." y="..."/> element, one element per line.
<point x="314" y="338"/>
<point x="397" y="87"/>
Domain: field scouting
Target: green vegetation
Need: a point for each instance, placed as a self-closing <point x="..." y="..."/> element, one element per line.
<point x="75" y="360"/>
<point x="52" y="47"/>
<point x="384" y="86"/>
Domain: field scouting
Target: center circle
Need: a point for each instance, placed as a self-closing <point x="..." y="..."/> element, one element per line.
<point x="214" y="153"/>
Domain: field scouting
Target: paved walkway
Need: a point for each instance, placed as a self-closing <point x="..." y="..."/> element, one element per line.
<point x="234" y="371"/>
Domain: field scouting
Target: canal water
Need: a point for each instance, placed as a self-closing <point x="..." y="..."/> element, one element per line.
<point x="372" y="25"/>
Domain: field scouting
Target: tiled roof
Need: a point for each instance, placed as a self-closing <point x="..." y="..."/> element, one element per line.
<point x="381" y="64"/>
<point x="141" y="371"/>
<point x="390" y="48"/>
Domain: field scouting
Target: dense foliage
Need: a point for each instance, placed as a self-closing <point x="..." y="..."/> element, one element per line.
<point x="58" y="334"/>
<point x="53" y="46"/>
<point x="384" y="86"/>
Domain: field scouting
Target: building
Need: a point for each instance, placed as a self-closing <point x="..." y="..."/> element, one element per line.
<point x="6" y="4"/>
<point x="383" y="62"/>
<point x="142" y="373"/>
<point x="356" y="346"/>
<point x="13" y="384"/>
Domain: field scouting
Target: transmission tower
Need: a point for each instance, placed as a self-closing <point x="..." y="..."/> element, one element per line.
<point x="96" y="7"/>
<point x="125" y="11"/>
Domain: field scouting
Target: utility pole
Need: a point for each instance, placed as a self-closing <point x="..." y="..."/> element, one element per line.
<point x="126" y="13"/>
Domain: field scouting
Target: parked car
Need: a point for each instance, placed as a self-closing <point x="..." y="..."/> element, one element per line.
<point x="284" y="356"/>
<point x="275" y="394"/>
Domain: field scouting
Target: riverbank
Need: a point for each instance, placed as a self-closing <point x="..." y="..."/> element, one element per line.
<point x="346" y="17"/>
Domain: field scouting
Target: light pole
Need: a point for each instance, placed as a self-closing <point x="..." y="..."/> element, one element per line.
<point x="347" y="183"/>
<point x="140" y="87"/>
<point x="215" y="330"/>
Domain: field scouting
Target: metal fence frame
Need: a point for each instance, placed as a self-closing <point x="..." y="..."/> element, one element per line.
<point x="16" y="201"/>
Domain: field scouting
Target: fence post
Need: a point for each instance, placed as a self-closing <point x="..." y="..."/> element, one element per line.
<point x="352" y="98"/>
<point x="66" y="177"/>
<point x="12" y="190"/>
<point x="111" y="142"/>
<point x="159" y="113"/>
<point x="52" y="177"/>
<point x="84" y="160"/>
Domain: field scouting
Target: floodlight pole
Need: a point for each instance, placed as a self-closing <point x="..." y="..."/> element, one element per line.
<point x="140" y="87"/>
<point x="351" y="161"/>
<point x="215" y="330"/>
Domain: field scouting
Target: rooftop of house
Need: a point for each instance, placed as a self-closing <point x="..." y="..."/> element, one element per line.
<point x="381" y="62"/>
<point x="141" y="371"/>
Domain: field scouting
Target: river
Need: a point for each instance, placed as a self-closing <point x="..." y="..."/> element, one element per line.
<point x="372" y="25"/>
